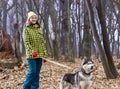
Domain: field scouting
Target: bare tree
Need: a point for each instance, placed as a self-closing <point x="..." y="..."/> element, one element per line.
<point x="5" y="11"/>
<point x="87" y="37"/>
<point x="17" y="43"/>
<point x="108" y="70"/>
<point x="69" y="23"/>
<point x="66" y="30"/>
<point x="45" y="19"/>
<point x="106" y="39"/>
<point x="53" y="16"/>
<point x="80" y="45"/>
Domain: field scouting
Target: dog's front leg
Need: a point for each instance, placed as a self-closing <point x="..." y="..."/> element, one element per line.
<point x="85" y="85"/>
<point x="64" y="85"/>
<point x="89" y="85"/>
<point x="76" y="87"/>
<point x="61" y="86"/>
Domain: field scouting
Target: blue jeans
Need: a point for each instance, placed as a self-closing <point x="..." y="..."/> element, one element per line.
<point x="32" y="78"/>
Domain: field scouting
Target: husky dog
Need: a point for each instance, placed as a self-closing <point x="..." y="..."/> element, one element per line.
<point x="82" y="79"/>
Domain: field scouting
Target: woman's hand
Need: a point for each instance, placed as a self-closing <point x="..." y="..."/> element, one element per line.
<point x="34" y="54"/>
<point x="44" y="60"/>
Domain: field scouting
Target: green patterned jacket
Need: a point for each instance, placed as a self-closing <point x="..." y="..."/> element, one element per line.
<point x="34" y="41"/>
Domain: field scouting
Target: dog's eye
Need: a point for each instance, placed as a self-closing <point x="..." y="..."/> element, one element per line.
<point x="84" y="63"/>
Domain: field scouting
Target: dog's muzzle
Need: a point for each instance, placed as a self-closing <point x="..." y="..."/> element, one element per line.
<point x="92" y="67"/>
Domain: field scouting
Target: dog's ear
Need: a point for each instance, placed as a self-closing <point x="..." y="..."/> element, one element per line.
<point x="91" y="58"/>
<point x="83" y="60"/>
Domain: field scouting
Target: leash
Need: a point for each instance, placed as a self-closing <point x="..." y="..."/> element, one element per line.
<point x="59" y="64"/>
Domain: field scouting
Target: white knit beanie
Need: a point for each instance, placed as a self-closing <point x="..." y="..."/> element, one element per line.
<point x="30" y="14"/>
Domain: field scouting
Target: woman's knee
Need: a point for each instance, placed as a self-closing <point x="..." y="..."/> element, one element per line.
<point x="32" y="73"/>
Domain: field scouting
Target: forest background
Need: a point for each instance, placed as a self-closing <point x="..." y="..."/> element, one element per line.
<point x="71" y="28"/>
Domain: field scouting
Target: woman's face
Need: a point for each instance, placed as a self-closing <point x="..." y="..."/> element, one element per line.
<point x="33" y="19"/>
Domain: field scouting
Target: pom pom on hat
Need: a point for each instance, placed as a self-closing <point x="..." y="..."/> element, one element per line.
<point x="30" y="14"/>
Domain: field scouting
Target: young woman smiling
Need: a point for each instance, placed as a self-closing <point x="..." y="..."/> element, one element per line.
<point x="35" y="50"/>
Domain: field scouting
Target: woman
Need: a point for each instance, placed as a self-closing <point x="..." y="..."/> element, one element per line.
<point x="35" y="50"/>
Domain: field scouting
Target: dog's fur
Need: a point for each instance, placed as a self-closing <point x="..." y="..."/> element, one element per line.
<point x="82" y="79"/>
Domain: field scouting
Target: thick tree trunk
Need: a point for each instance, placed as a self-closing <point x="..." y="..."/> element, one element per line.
<point x="29" y="4"/>
<point x="56" y="44"/>
<point x="87" y="37"/>
<point x="106" y="39"/>
<point x="5" y="17"/>
<point x="6" y="8"/>
<point x="103" y="56"/>
<point x="7" y="59"/>
<point x="66" y="30"/>
<point x="80" y="44"/>
<point x="5" y="44"/>
<point x="17" y="43"/>
<point x="46" y="28"/>
<point x="118" y="51"/>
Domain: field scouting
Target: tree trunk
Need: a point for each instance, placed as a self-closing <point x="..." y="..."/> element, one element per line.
<point x="106" y="39"/>
<point x="29" y="4"/>
<point x="22" y="27"/>
<point x="6" y="51"/>
<point x="53" y="14"/>
<point x="5" y="44"/>
<point x="5" y="16"/>
<point x="45" y="21"/>
<point x="5" y="12"/>
<point x="80" y="45"/>
<point x="103" y="56"/>
<point x="66" y="29"/>
<point x="0" y="17"/>
<point x="87" y="37"/>
<point x="118" y="42"/>
<point x="17" y="43"/>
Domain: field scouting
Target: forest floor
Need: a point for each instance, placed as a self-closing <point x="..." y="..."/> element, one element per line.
<point x="51" y="74"/>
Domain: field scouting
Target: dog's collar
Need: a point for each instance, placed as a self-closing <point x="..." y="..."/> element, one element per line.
<point x="84" y="73"/>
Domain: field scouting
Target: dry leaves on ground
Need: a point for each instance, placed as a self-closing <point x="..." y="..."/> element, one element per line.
<point x="51" y="74"/>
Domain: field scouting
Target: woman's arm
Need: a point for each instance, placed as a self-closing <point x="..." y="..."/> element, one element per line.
<point x="27" y="43"/>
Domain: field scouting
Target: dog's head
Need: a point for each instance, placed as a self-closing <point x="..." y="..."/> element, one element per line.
<point x="87" y="65"/>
